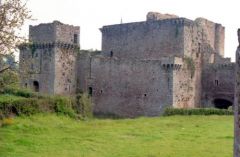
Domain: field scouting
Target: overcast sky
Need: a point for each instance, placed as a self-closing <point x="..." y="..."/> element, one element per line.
<point x="91" y="15"/>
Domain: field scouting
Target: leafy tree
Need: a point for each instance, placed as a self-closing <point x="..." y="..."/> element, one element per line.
<point x="13" y="14"/>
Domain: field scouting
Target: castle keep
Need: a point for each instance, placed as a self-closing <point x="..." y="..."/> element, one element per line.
<point x="144" y="67"/>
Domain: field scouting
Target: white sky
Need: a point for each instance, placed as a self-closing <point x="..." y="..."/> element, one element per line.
<point x="91" y="15"/>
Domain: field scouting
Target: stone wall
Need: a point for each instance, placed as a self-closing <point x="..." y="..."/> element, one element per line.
<point x="186" y="87"/>
<point x="162" y="37"/>
<point x="65" y="71"/>
<point x="54" y="32"/>
<point x="145" y="40"/>
<point x="218" y="83"/>
<point x="37" y="65"/>
<point x="43" y="33"/>
<point x="83" y="72"/>
<point x="50" y="58"/>
<point x="237" y="103"/>
<point x="130" y="88"/>
<point x="213" y="34"/>
<point x="65" y="33"/>
<point x="154" y="16"/>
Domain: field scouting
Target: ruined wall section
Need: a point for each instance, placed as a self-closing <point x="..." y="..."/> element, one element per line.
<point x="213" y="34"/>
<point x="67" y="33"/>
<point x="145" y="89"/>
<point x="155" y="16"/>
<point x="83" y="72"/>
<point x="219" y="39"/>
<point x="65" y="71"/>
<point x="37" y="64"/>
<point x="218" y="83"/>
<point x="43" y="33"/>
<point x="67" y="38"/>
<point x="186" y="91"/>
<point x="190" y="78"/>
<point x="237" y="103"/>
<point x="51" y="57"/>
<point x="145" y="40"/>
<point x="200" y="38"/>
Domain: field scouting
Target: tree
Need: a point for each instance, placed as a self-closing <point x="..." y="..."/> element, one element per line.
<point x="13" y="14"/>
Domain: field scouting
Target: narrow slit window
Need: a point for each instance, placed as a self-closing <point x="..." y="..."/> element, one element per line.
<point x="75" y="40"/>
<point x="216" y="82"/>
<point x="90" y="91"/>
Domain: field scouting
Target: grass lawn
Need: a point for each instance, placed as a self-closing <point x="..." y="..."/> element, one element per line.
<point x="176" y="136"/>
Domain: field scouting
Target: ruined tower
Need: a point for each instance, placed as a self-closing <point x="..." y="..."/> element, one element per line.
<point x="48" y="61"/>
<point x="237" y="102"/>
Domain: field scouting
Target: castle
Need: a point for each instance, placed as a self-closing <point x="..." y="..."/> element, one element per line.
<point x="143" y="67"/>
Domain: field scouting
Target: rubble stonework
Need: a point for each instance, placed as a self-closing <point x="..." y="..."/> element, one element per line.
<point x="48" y="62"/>
<point x="153" y="16"/>
<point x="237" y="103"/>
<point x="144" y="67"/>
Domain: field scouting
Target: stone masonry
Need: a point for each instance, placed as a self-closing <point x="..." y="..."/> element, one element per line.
<point x="237" y="102"/>
<point x="143" y="68"/>
<point x="48" y="62"/>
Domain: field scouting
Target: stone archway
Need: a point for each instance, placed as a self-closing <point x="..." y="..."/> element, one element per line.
<point x="222" y="103"/>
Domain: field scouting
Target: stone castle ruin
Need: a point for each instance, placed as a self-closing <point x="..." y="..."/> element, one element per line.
<point x="144" y="67"/>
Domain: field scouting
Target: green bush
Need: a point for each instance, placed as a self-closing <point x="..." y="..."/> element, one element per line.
<point x="84" y="106"/>
<point x="107" y="115"/>
<point x="19" y="106"/>
<point x="26" y="93"/>
<point x="64" y="105"/>
<point x="196" y="111"/>
<point x="25" y="102"/>
<point x="9" y="78"/>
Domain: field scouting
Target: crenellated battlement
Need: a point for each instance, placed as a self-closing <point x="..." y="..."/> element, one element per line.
<point x="226" y="66"/>
<point x="49" y="45"/>
<point x="172" y="66"/>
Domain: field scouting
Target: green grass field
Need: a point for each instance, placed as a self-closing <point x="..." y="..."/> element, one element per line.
<point x="176" y="136"/>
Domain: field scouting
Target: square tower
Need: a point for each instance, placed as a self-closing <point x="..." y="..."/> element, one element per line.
<point x="48" y="61"/>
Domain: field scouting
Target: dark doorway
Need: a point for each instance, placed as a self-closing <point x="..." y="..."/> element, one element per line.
<point x="222" y="103"/>
<point x="90" y="91"/>
<point x="36" y="86"/>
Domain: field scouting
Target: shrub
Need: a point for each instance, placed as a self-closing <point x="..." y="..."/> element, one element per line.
<point x="84" y="105"/>
<point x="10" y="104"/>
<point x="19" y="92"/>
<point x="107" y="115"/>
<point x="230" y="108"/>
<point x="64" y="105"/>
<point x="9" y="77"/>
<point x="196" y="111"/>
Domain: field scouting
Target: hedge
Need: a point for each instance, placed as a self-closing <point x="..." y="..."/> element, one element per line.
<point x="14" y="105"/>
<point x="196" y="111"/>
